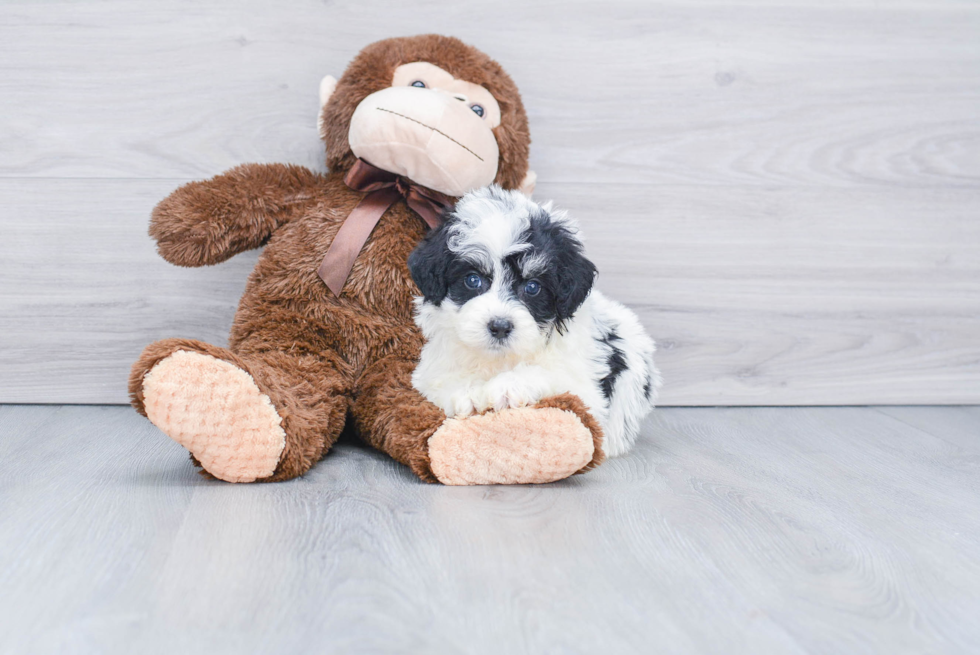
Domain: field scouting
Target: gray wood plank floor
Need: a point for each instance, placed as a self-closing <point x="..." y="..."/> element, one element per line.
<point x="753" y="530"/>
<point x="786" y="191"/>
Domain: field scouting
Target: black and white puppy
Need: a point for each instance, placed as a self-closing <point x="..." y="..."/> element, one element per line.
<point x="510" y="317"/>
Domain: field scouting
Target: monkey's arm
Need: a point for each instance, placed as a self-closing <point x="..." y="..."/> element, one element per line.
<point x="207" y="222"/>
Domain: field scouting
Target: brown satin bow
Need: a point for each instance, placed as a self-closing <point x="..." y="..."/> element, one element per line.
<point x="383" y="189"/>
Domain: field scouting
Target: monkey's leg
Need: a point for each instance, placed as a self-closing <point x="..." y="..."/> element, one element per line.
<point x="256" y="416"/>
<point x="548" y="442"/>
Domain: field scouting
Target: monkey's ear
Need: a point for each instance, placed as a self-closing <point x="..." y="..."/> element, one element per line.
<point x="327" y="86"/>
<point x="527" y="185"/>
<point x="429" y="263"/>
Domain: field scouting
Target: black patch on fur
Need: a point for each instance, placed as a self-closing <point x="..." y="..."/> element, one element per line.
<point x="541" y="306"/>
<point x="439" y="272"/>
<point x="459" y="270"/>
<point x="616" y="361"/>
<point x="648" y="386"/>
<point x="429" y="264"/>
<point x="566" y="282"/>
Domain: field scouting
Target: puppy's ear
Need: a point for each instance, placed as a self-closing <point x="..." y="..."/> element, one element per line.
<point x="574" y="275"/>
<point x="429" y="263"/>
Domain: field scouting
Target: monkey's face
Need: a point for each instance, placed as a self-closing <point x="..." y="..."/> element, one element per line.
<point x="432" y="109"/>
<point x="430" y="127"/>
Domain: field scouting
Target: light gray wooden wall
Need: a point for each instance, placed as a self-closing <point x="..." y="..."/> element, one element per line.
<point x="787" y="192"/>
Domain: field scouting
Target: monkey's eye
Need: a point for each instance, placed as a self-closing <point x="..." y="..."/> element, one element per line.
<point x="532" y="288"/>
<point x="473" y="281"/>
<point x="418" y="84"/>
<point x="478" y="110"/>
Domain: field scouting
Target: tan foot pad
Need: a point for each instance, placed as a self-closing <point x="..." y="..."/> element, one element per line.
<point x="213" y="409"/>
<point x="516" y="446"/>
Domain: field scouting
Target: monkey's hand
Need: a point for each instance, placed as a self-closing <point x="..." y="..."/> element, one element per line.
<point x="207" y="222"/>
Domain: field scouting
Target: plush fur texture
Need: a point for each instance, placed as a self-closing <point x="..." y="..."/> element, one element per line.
<point x="510" y="317"/>
<point x="431" y="128"/>
<point x="372" y="71"/>
<point x="486" y="450"/>
<point x="323" y="361"/>
<point x="231" y="425"/>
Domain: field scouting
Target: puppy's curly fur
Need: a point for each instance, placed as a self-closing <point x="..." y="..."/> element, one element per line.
<point x="510" y="317"/>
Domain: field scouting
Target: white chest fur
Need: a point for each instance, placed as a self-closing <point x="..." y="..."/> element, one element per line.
<point x="462" y="380"/>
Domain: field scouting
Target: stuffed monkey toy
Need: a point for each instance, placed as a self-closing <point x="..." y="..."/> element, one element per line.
<point x="323" y="336"/>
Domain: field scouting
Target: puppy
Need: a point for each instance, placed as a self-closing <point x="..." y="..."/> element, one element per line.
<point x="510" y="317"/>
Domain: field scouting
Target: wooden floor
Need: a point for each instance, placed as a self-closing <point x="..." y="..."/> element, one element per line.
<point x="786" y="192"/>
<point x="752" y="530"/>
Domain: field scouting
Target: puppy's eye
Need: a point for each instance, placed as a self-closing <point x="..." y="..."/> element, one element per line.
<point x="473" y="281"/>
<point x="478" y="110"/>
<point x="532" y="288"/>
<point x="418" y="84"/>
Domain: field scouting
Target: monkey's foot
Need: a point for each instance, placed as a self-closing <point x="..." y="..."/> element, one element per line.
<point x="214" y="409"/>
<point x="527" y="445"/>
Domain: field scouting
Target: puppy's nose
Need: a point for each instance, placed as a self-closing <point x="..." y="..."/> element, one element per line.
<point x="500" y="328"/>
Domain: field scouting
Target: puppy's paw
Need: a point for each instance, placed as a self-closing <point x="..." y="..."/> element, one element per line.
<point x="461" y="404"/>
<point x="511" y="390"/>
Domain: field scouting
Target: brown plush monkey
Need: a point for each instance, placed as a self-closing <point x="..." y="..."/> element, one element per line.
<point x="303" y="360"/>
